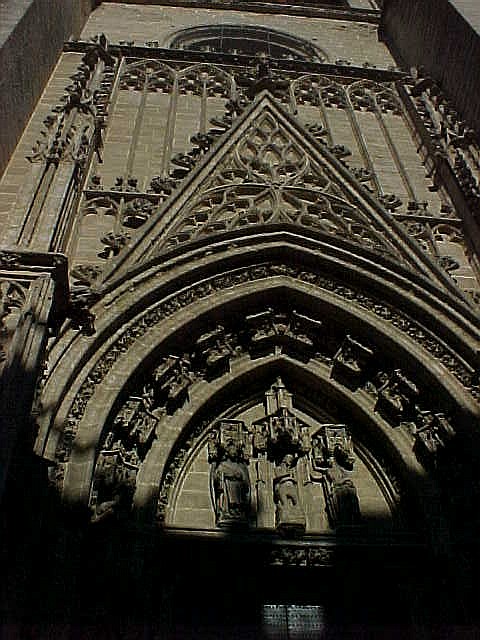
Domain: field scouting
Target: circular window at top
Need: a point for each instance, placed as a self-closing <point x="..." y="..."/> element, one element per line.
<point x="247" y="40"/>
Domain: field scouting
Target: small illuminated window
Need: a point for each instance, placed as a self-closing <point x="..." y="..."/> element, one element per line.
<point x="293" y="622"/>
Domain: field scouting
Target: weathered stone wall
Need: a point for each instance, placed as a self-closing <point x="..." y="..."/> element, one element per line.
<point x="17" y="174"/>
<point x="356" y="42"/>
<point x="340" y="40"/>
<point x="444" y="37"/>
<point x="32" y="33"/>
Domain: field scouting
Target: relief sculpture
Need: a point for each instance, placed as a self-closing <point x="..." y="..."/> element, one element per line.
<point x="289" y="514"/>
<point x="342" y="501"/>
<point x="286" y="440"/>
<point x="229" y="479"/>
<point x="333" y="452"/>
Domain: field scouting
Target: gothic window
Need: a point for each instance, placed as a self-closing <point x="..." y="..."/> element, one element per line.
<point x="247" y="40"/>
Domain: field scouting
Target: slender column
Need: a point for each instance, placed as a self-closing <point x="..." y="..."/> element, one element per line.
<point x="362" y="144"/>
<point x="137" y="128"/>
<point x="325" y="119"/>
<point x="203" y="104"/>
<point x="394" y="153"/>
<point x="170" y="129"/>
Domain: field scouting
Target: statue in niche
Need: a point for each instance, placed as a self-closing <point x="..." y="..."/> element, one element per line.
<point x="103" y="510"/>
<point x="229" y="479"/>
<point x="290" y="517"/>
<point x="259" y="438"/>
<point x="342" y="500"/>
<point x="317" y="454"/>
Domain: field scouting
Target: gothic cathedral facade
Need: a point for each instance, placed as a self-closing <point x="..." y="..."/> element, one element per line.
<point x="239" y="340"/>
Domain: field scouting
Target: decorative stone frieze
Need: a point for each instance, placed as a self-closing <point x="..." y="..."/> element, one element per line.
<point x="302" y="556"/>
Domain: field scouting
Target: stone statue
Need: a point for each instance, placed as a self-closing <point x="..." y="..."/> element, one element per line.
<point x="317" y="454"/>
<point x="342" y="499"/>
<point x="230" y="486"/>
<point x="104" y="510"/>
<point x="290" y="517"/>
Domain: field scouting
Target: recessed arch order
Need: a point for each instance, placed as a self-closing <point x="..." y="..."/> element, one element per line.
<point x="165" y="308"/>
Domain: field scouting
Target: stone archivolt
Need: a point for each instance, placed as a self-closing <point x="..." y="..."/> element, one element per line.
<point x="270" y="328"/>
<point x="167" y="390"/>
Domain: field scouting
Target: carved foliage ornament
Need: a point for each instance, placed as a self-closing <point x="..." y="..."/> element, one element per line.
<point x="76" y="124"/>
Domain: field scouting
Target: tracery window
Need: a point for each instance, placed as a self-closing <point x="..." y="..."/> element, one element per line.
<point x="247" y="40"/>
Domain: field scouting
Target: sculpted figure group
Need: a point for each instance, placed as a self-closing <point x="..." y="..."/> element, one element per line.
<point x="281" y="441"/>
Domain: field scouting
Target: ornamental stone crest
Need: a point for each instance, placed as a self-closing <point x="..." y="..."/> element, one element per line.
<point x="272" y="172"/>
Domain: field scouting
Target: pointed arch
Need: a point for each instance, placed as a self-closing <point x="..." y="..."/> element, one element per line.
<point x="319" y="303"/>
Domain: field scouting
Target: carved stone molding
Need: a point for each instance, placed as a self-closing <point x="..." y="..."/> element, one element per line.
<point x="77" y="122"/>
<point x="218" y="355"/>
